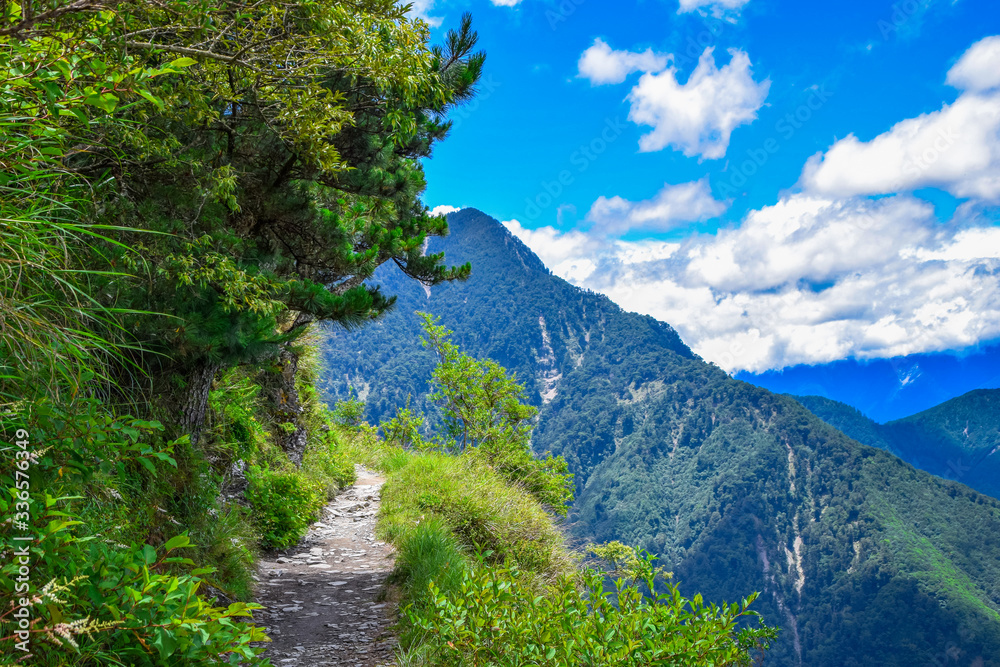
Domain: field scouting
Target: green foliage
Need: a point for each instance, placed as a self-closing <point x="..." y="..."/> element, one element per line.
<point x="428" y="553"/>
<point x="405" y="430"/>
<point x="486" y="580"/>
<point x="185" y="187"/>
<point x="127" y="608"/>
<point x="497" y="617"/>
<point x="94" y="599"/>
<point x="484" y="416"/>
<point x="348" y="413"/>
<point x="326" y="462"/>
<point x="285" y="502"/>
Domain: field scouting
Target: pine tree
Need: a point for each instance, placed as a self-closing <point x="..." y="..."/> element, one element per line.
<point x="278" y="173"/>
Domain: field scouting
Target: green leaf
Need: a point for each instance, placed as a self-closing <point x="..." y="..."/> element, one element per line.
<point x="177" y="542"/>
<point x="182" y="62"/>
<point x="149" y="96"/>
<point x="104" y="101"/>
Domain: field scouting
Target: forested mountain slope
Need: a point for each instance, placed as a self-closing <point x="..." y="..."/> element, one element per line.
<point x="863" y="560"/>
<point x="959" y="439"/>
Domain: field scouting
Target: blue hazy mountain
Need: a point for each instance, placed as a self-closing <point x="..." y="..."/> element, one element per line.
<point x="888" y="389"/>
<point x="959" y="439"/>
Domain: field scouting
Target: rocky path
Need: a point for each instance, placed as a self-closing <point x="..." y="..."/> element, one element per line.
<point x="324" y="596"/>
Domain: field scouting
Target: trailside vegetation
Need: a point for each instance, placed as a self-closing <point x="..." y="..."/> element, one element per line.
<point x="187" y="187"/>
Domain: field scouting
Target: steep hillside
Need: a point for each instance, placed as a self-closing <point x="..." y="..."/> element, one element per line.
<point x="959" y="439"/>
<point x="863" y="560"/>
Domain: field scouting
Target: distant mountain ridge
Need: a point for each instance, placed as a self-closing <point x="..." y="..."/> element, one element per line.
<point x="959" y="439"/>
<point x="861" y="558"/>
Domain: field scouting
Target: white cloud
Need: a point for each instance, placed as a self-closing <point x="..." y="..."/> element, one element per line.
<point x="979" y="68"/>
<point x="422" y="9"/>
<point x="808" y="280"/>
<point x="965" y="246"/>
<point x="673" y="205"/>
<point x="506" y="3"/>
<point x="601" y="64"/>
<point x="444" y="209"/>
<point x="716" y="7"/>
<point x="567" y="254"/>
<point x="699" y="116"/>
<point x="956" y="148"/>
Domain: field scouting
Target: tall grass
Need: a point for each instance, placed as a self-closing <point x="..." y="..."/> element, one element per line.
<point x="483" y="511"/>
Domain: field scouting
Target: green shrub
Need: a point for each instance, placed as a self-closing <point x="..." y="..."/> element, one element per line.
<point x="237" y="432"/>
<point x="485" y="416"/>
<point x="284" y="503"/>
<point x="348" y="413"/>
<point x="100" y="593"/>
<point x="498" y="616"/>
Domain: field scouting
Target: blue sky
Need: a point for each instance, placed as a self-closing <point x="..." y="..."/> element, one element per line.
<point x="786" y="183"/>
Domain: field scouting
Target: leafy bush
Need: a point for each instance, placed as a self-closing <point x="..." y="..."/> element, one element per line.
<point x="498" y="617"/>
<point x="284" y="503"/>
<point x="405" y="430"/>
<point x="92" y="598"/>
<point x="327" y="464"/>
<point x="348" y="413"/>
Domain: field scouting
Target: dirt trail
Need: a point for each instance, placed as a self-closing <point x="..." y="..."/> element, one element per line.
<point x="322" y="596"/>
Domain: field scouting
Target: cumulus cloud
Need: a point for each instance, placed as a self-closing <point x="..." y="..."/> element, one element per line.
<point x="979" y="68"/>
<point x="956" y="148"/>
<point x="716" y="7"/>
<point x="811" y="279"/>
<point x="699" y="116"/>
<point x="673" y="205"/>
<point x="444" y="209"/>
<point x="601" y="64"/>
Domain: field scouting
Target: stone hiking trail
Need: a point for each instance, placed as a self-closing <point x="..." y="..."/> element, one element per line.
<point x="323" y="597"/>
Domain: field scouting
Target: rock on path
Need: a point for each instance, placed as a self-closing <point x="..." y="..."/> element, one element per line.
<point x="322" y="597"/>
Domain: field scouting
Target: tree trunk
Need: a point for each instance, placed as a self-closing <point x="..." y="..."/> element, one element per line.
<point x="195" y="401"/>
<point x="284" y="405"/>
